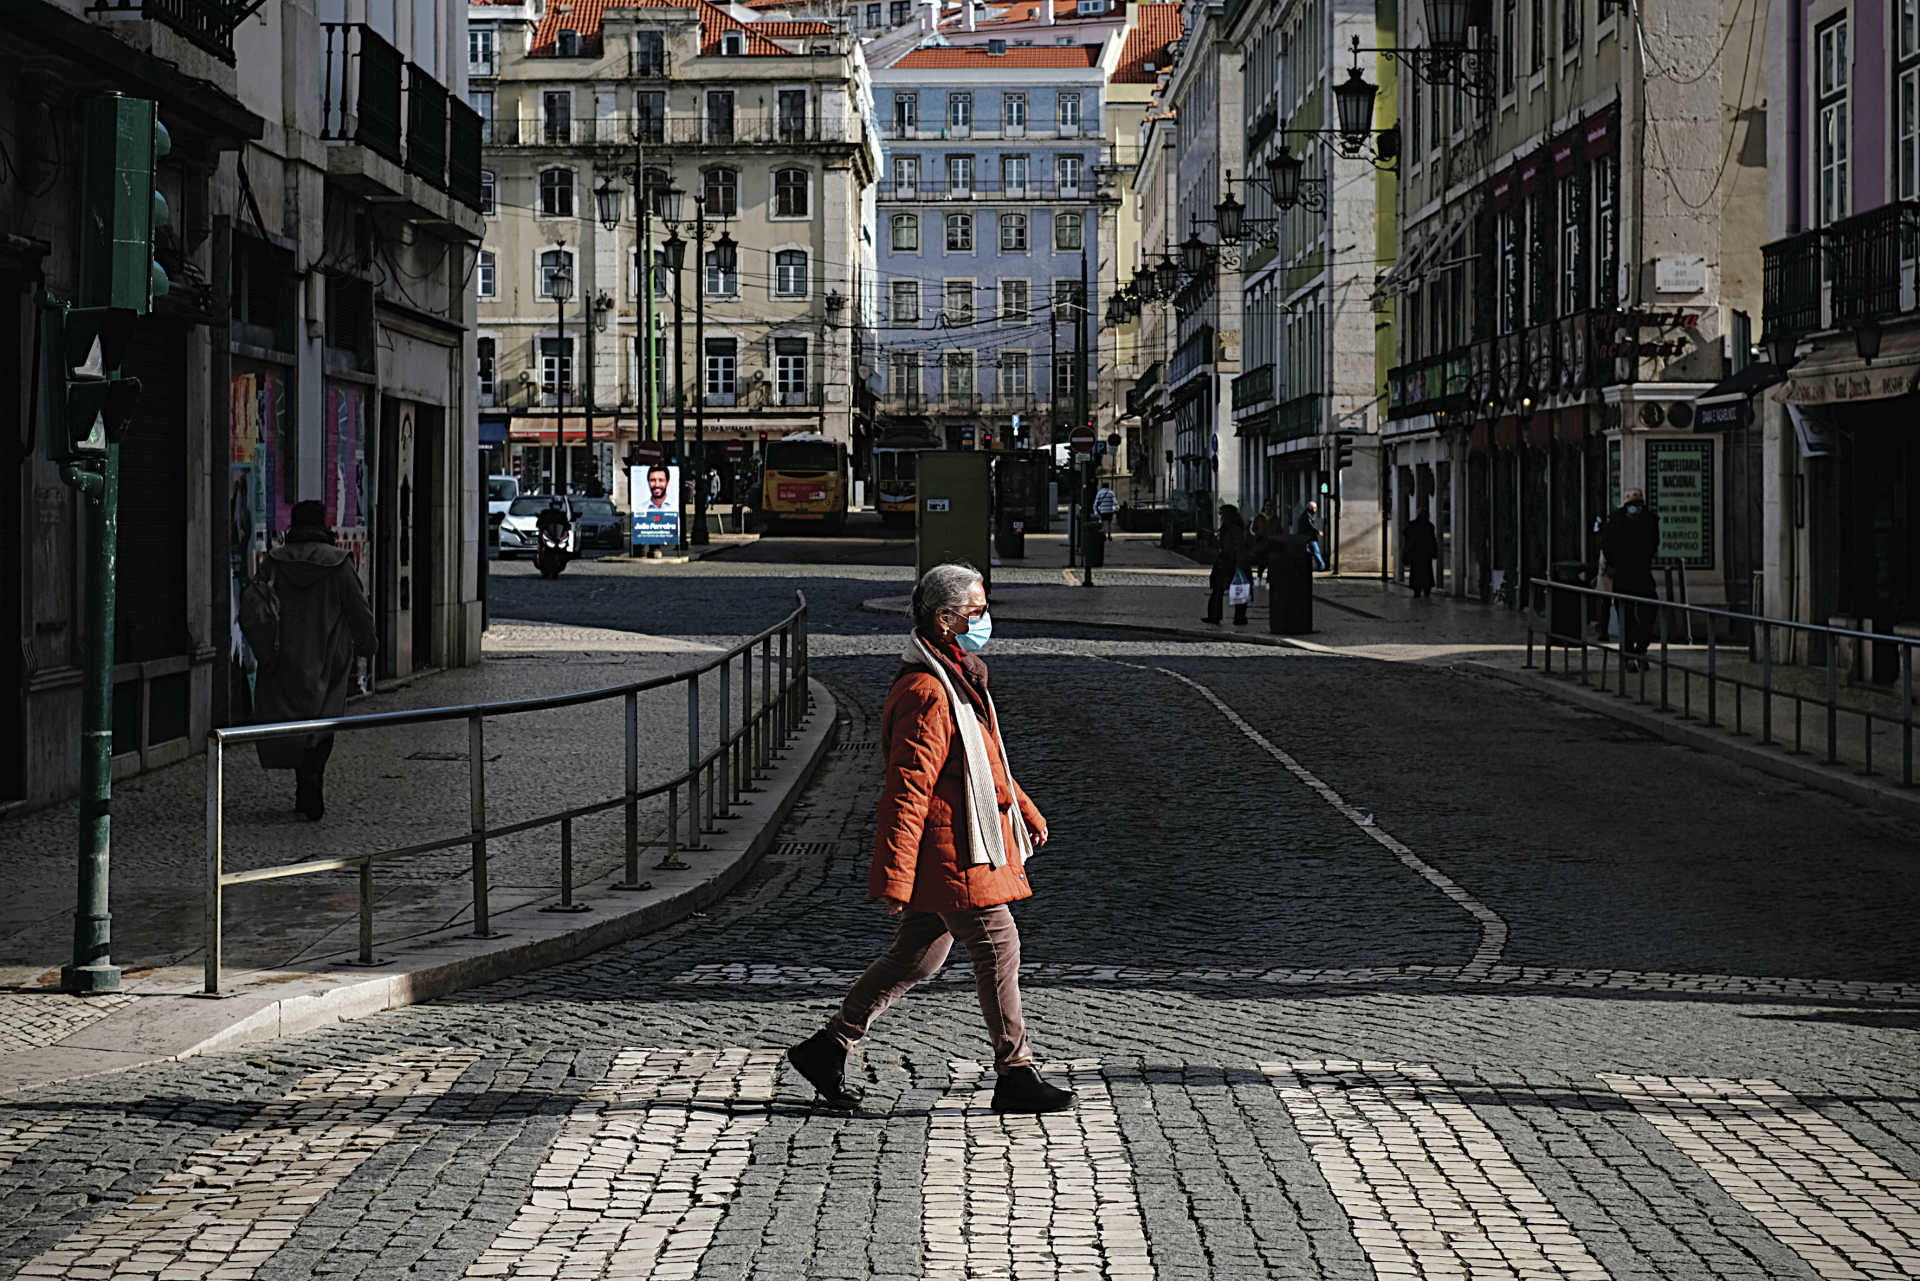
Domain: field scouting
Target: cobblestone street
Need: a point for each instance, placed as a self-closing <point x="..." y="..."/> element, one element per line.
<point x="1362" y="970"/>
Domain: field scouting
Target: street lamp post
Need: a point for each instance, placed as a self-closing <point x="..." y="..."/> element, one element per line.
<point x="560" y="286"/>
<point x="607" y="197"/>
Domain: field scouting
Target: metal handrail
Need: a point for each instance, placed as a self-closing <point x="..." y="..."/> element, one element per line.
<point x="713" y="781"/>
<point x="1714" y="678"/>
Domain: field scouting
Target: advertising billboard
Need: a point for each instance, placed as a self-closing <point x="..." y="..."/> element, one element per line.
<point x="655" y="492"/>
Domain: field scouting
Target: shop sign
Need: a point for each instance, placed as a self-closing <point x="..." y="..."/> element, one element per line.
<point x="1728" y="416"/>
<point x="1680" y="490"/>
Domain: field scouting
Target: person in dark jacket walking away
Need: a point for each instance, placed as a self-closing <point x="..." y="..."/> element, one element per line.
<point x="1235" y="556"/>
<point x="305" y="674"/>
<point x="954" y="835"/>
<point x="1422" y="547"/>
<point x="1309" y="526"/>
<point x="1630" y="541"/>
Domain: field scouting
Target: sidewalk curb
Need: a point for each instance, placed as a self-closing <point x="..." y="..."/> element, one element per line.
<point x="885" y="605"/>
<point x="1835" y="781"/>
<point x="167" y="1026"/>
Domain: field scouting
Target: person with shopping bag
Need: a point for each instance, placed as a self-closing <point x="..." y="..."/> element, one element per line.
<point x="1230" y="580"/>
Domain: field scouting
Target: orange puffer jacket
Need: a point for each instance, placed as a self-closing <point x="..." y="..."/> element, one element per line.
<point x="921" y="853"/>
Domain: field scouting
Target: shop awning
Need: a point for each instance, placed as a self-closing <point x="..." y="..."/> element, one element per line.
<point x="1833" y="373"/>
<point x="493" y="431"/>
<point x="1728" y="404"/>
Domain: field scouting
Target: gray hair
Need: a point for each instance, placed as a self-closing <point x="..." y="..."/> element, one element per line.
<point x="942" y="587"/>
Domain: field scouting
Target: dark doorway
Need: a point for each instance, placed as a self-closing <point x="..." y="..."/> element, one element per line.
<point x="428" y="444"/>
<point x="15" y="316"/>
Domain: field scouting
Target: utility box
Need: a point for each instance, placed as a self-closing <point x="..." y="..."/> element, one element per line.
<point x="953" y="518"/>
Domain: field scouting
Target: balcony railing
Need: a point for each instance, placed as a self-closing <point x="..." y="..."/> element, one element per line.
<point x="1194" y="352"/>
<point x="1790" y="285"/>
<point x="1253" y="387"/>
<point x="1870" y="257"/>
<point x="1433" y="384"/>
<point x="208" y="24"/>
<point x="426" y="127"/>
<point x="647" y="64"/>
<point x="679" y="131"/>
<point x="361" y="97"/>
<point x="938" y="192"/>
<point x="1295" y="419"/>
<point x="463" y="154"/>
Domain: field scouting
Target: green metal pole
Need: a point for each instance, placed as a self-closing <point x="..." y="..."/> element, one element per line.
<point x="92" y="970"/>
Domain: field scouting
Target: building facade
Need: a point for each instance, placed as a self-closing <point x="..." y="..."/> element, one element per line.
<point x="763" y="125"/>
<point x="324" y="185"/>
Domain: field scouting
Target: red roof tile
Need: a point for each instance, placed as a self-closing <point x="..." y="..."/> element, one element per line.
<point x="786" y="30"/>
<point x="976" y="56"/>
<point x="584" y="16"/>
<point x="1063" y="11"/>
<point x="1159" y="26"/>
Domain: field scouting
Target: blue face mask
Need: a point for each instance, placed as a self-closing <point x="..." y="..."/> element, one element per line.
<point x="979" y="632"/>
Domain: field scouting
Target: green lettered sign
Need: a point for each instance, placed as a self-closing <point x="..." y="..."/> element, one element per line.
<point x="1680" y="488"/>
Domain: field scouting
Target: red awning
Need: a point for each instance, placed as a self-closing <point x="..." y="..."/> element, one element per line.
<point x="1477" y="438"/>
<point x="1539" y="430"/>
<point x="1599" y="132"/>
<point x="1503" y="190"/>
<point x="1563" y="153"/>
<point x="1573" y="424"/>
<point x="1506" y="432"/>
<point x="1529" y="176"/>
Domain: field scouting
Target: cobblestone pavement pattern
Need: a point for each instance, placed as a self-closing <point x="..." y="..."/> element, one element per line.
<point x="1362" y="971"/>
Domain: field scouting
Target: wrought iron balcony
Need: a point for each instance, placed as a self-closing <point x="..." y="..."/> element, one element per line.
<point x="426" y="127"/>
<point x="679" y="131"/>
<point x="1870" y="259"/>
<point x="361" y="96"/>
<point x="464" y="128"/>
<point x="1253" y="387"/>
<point x="208" y="24"/>
<point x="1790" y="285"/>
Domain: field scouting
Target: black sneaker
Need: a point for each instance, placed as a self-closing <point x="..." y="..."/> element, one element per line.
<point x="820" y="1059"/>
<point x="1021" y="1090"/>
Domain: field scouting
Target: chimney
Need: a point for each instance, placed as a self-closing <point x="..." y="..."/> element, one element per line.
<point x="968" y="6"/>
<point x="1046" y="12"/>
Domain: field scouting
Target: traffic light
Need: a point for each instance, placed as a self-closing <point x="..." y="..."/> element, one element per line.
<point x="99" y="402"/>
<point x="122" y="208"/>
<point x="986" y="438"/>
<point x="1326" y="482"/>
<point x="1342" y="451"/>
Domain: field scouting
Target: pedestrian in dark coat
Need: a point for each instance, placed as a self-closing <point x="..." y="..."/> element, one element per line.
<point x="1308" y="526"/>
<point x="1235" y="554"/>
<point x="1422" y="548"/>
<point x="1630" y="541"/>
<point x="325" y="624"/>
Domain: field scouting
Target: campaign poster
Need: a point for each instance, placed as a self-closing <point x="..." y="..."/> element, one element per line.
<point x="655" y="491"/>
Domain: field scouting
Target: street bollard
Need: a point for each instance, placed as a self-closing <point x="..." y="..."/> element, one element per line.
<point x="566" y="903"/>
<point x="1713" y="670"/>
<point x="366" y="911"/>
<point x="477" y="814"/>
<point x="1833" y="700"/>
<point x="1906" y="715"/>
<point x="1766" y="686"/>
<point x="216" y="780"/>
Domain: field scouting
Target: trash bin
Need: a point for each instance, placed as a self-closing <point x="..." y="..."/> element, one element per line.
<point x="1290" y="585"/>
<point x="1011" y="541"/>
<point x="1093" y="544"/>
<point x="1566" y="611"/>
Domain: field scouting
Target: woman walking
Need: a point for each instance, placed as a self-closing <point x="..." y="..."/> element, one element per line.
<point x="1234" y="556"/>
<point x="955" y="832"/>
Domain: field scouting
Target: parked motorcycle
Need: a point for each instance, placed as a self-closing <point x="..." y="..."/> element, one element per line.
<point x="555" y="550"/>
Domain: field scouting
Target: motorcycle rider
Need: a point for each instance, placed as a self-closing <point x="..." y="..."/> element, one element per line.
<point x="554" y="520"/>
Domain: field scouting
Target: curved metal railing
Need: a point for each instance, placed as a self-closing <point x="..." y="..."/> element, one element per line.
<point x="712" y="783"/>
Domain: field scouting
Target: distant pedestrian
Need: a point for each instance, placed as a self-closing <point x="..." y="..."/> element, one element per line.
<point x="713" y="488"/>
<point x="1233" y="559"/>
<point x="309" y="621"/>
<point x="1104" y="504"/>
<point x="1421" y="546"/>
<point x="955" y="832"/>
<point x="1309" y="527"/>
<point x="1629" y="541"/>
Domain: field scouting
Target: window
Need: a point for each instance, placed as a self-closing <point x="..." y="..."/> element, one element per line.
<point x="1063" y="375"/>
<point x="960" y="110"/>
<point x="657" y="182"/>
<point x="1013" y="300"/>
<point x="1066" y="300"/>
<point x="1833" y="146"/>
<point x="733" y="45"/>
<point x="1572" y="12"/>
<point x="1013" y="373"/>
<point x="557" y="112"/>
<point x="790" y="193"/>
<point x="1509" y="34"/>
<point x="480" y="51"/>
<point x="481" y="100"/>
<point x="792" y="120"/>
<point x="552" y="260"/>
<point x="1539" y="258"/>
<point x="649" y="53"/>
<point x="1013" y="231"/>
<point x="723" y="370"/>
<point x="790" y="272"/>
<point x="960" y="176"/>
<point x="1013" y="175"/>
<point x="1574" y="267"/>
<point x="873" y="15"/>
<point x="790" y="370"/>
<point x="566" y="43"/>
<point x="1069" y="110"/>
<point x="1069" y="174"/>
<point x="1906" y="110"/>
<point x="719" y="115"/>
<point x="556" y="368"/>
<point x="483" y="275"/>
<point x="1606" y="225"/>
<point x="906" y="232"/>
<point x="556" y="193"/>
<point x="1414" y="99"/>
<point x="906" y="112"/>
<point x="959" y="302"/>
<point x="905" y="297"/>
<point x="906" y="374"/>
<point x="486" y="191"/>
<point x="960" y="233"/>
<point x="1066" y="231"/>
<point x="899" y="11"/>
<point x="1508" y="300"/>
<point x="906" y="177"/>
<point x="1537" y="20"/>
<point x="722" y="188"/>
<point x="960" y="382"/>
<point x="483" y="359"/>
<point x="649" y="115"/>
<point x="1013" y="110"/>
<point x="723" y="280"/>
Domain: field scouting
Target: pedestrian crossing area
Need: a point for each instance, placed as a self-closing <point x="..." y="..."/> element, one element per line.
<point x="647" y="1162"/>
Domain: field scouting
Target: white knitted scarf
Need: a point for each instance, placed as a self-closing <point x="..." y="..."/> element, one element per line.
<point x="983" y="806"/>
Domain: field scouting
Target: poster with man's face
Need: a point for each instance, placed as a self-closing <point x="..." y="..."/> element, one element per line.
<point x="654" y="488"/>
